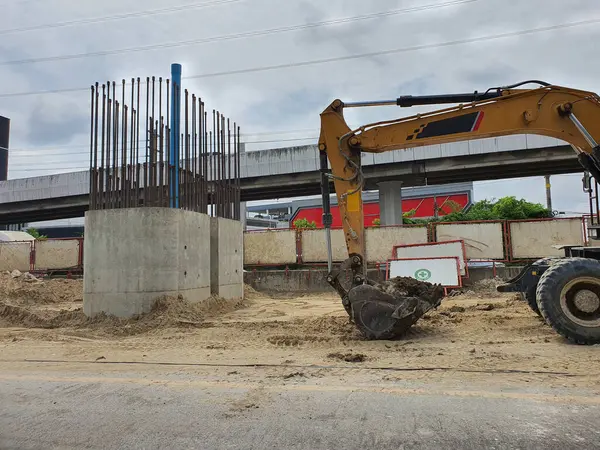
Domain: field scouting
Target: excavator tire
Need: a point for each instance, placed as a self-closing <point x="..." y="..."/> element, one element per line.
<point x="568" y="297"/>
<point x="530" y="295"/>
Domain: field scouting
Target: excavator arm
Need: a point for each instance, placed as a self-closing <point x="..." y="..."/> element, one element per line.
<point x="563" y="113"/>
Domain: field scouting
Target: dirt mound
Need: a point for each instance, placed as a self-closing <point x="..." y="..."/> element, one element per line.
<point x="483" y="288"/>
<point x="27" y="290"/>
<point x="167" y="312"/>
<point x="251" y="293"/>
<point x="410" y="287"/>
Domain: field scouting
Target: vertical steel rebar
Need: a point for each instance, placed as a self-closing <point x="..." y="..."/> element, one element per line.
<point x="186" y="203"/>
<point x="115" y="161"/>
<point x="123" y="147"/>
<point x="168" y="161"/>
<point x="238" y="190"/>
<point x="161" y="148"/>
<point x="125" y="181"/>
<point x="208" y="178"/>
<point x="115" y="122"/>
<point x="229" y="185"/>
<point x="108" y="147"/>
<point x="91" y="168"/>
<point x="205" y="158"/>
<point x="100" y="199"/>
<point x="161" y="164"/>
<point x="194" y="162"/>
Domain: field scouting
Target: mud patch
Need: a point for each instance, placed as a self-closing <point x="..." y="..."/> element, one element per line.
<point x="348" y="357"/>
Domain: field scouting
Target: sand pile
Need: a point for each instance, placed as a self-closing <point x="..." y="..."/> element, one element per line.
<point x="168" y="312"/>
<point x="483" y="288"/>
<point x="26" y="289"/>
<point x="32" y="303"/>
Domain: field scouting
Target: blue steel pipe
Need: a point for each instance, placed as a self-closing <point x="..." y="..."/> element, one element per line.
<point x="175" y="132"/>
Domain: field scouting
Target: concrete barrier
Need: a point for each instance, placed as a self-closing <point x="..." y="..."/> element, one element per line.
<point x="534" y="239"/>
<point x="226" y="258"/>
<point x="483" y="240"/>
<point x="56" y="254"/>
<point x="314" y="249"/>
<point x="381" y="240"/>
<point x="270" y="247"/>
<point x="15" y="255"/>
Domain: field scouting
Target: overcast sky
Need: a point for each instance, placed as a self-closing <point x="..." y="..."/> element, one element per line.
<point x="50" y="131"/>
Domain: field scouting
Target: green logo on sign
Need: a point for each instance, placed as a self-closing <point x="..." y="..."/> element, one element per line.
<point x="422" y="274"/>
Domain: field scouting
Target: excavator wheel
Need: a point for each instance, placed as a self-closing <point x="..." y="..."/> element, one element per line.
<point x="568" y="296"/>
<point x="388" y="310"/>
<point x="530" y="295"/>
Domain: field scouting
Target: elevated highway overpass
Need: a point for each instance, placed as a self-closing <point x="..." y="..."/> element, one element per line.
<point x="293" y="172"/>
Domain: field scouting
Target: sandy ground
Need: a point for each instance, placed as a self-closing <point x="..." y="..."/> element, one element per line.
<point x="480" y="332"/>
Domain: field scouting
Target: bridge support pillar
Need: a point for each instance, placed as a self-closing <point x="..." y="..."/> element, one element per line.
<point x="243" y="213"/>
<point x="390" y="202"/>
<point x="134" y="256"/>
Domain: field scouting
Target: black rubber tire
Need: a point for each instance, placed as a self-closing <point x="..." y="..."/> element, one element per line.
<point x="548" y="295"/>
<point x="530" y="298"/>
<point x="530" y="295"/>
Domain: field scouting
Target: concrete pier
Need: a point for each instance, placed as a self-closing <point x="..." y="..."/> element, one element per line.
<point x="390" y="202"/>
<point x="227" y="258"/>
<point x="133" y="256"/>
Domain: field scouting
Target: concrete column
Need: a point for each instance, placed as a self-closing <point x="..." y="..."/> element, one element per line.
<point x="132" y="256"/>
<point x="390" y="202"/>
<point x="243" y="214"/>
<point x="226" y="258"/>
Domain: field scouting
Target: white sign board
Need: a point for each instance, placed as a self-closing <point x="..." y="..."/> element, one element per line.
<point x="442" y="271"/>
<point x="434" y="250"/>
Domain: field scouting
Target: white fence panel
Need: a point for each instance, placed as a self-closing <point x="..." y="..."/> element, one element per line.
<point x="270" y="247"/>
<point x="314" y="248"/>
<point x="15" y="255"/>
<point x="56" y="254"/>
<point x="535" y="239"/>
<point x="482" y="240"/>
<point x="381" y="240"/>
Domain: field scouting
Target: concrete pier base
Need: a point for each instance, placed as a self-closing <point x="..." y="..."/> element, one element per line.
<point x="390" y="202"/>
<point x="227" y="258"/>
<point x="133" y="256"/>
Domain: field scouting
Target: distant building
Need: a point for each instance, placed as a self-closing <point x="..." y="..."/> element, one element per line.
<point x="425" y="201"/>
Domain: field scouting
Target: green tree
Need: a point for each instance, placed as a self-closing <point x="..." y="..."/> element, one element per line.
<point x="35" y="233"/>
<point x="304" y="223"/>
<point x="506" y="208"/>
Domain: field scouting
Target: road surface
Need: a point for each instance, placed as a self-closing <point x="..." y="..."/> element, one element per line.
<point x="101" y="405"/>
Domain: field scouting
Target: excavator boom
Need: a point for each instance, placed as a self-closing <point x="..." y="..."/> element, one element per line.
<point x="380" y="311"/>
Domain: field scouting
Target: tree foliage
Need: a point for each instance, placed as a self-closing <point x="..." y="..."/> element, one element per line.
<point x="506" y="208"/>
<point x="304" y="223"/>
<point x="35" y="233"/>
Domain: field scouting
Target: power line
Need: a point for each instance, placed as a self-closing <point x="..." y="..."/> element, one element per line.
<point x="345" y="58"/>
<point x="231" y="36"/>
<point x="91" y="20"/>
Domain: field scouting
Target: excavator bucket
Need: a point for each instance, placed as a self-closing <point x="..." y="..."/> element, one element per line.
<point x="387" y="310"/>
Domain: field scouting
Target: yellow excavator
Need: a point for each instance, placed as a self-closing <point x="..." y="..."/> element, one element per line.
<point x="565" y="291"/>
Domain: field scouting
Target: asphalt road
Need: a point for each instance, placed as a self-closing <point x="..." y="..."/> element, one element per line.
<point x="97" y="406"/>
